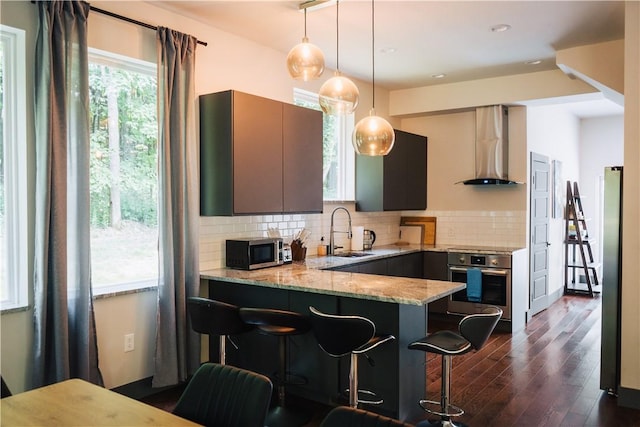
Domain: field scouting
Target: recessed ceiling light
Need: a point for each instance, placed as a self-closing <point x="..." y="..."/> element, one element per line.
<point x="438" y="76"/>
<point x="500" y="28"/>
<point x="534" y="62"/>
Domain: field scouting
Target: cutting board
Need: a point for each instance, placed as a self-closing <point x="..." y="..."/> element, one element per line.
<point x="429" y="227"/>
<point x="412" y="234"/>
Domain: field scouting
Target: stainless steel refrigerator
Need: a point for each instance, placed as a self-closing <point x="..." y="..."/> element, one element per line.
<point x="611" y="280"/>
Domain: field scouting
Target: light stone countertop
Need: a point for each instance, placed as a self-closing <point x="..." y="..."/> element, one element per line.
<point x="309" y="276"/>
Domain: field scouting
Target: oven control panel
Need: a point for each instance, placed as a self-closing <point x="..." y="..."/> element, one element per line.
<point x="479" y="260"/>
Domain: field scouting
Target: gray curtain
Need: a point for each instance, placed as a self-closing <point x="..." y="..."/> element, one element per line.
<point x="177" y="346"/>
<point x="64" y="326"/>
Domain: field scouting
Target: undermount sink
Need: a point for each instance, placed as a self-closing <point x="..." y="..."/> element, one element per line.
<point x="352" y="254"/>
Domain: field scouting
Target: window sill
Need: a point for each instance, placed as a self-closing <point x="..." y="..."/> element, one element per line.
<point x="124" y="289"/>
<point x="102" y="292"/>
<point x="17" y="309"/>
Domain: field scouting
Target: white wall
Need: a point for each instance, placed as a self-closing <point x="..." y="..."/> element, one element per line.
<point x="601" y="145"/>
<point x="630" y="341"/>
<point x="555" y="133"/>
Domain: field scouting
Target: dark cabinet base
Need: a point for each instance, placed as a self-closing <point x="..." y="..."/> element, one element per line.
<point x="397" y="374"/>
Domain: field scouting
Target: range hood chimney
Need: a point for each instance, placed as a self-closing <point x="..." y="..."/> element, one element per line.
<point x="492" y="147"/>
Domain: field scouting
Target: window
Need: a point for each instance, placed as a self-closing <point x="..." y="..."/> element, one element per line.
<point x="13" y="170"/>
<point x="124" y="177"/>
<point x="337" y="152"/>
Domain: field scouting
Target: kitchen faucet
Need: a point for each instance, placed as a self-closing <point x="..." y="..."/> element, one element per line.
<point x="332" y="248"/>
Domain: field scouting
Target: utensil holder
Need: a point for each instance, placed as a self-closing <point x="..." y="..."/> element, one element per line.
<point x="298" y="252"/>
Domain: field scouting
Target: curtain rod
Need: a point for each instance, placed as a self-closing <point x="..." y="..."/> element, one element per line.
<point x="130" y="20"/>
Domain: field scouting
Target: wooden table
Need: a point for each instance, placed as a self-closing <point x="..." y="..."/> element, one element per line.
<point x="78" y="403"/>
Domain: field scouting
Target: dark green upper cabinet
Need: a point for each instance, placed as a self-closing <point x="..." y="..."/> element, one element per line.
<point x="397" y="181"/>
<point x="258" y="156"/>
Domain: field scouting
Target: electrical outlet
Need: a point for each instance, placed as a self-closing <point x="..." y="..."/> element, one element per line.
<point x="128" y="342"/>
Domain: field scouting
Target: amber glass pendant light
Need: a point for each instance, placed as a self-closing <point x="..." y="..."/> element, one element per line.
<point x="373" y="135"/>
<point x="338" y="95"/>
<point x="305" y="60"/>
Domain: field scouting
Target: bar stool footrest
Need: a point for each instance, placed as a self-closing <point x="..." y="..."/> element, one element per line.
<point x="366" y="396"/>
<point x="449" y="411"/>
<point x="440" y="423"/>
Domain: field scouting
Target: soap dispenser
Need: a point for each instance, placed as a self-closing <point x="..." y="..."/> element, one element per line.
<point x="322" y="248"/>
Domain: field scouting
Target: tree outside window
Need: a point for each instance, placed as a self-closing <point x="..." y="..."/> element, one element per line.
<point x="124" y="176"/>
<point x="338" y="158"/>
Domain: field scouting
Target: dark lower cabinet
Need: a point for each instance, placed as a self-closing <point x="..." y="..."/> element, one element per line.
<point x="258" y="352"/>
<point x="379" y="267"/>
<point x="435" y="265"/>
<point x="409" y="265"/>
<point x="397" y="374"/>
<point x="436" y="268"/>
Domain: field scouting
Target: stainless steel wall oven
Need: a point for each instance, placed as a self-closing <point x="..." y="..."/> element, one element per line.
<point x="495" y="279"/>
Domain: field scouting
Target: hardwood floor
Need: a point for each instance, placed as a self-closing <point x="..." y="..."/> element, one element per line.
<point x="547" y="375"/>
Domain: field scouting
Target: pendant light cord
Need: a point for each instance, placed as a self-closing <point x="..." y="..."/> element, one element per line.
<point x="373" y="56"/>
<point x="337" y="35"/>
<point x="305" y="22"/>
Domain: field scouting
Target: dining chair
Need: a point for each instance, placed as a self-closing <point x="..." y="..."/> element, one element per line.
<point x="225" y="396"/>
<point x="346" y="416"/>
<point x="5" y="389"/>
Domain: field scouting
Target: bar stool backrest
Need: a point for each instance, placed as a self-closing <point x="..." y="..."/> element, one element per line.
<point x="476" y="328"/>
<point x="339" y="335"/>
<point x="212" y="317"/>
<point x="276" y="321"/>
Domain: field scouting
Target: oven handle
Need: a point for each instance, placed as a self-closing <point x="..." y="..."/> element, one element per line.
<point x="488" y="272"/>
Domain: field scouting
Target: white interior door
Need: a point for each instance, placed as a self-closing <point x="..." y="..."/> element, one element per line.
<point x="539" y="225"/>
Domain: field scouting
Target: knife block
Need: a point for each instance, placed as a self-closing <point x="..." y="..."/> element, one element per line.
<point x="298" y="252"/>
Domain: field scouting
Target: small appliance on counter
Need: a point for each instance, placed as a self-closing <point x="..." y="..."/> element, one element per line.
<point x="357" y="238"/>
<point x="254" y="253"/>
<point x="286" y="254"/>
<point x="368" y="239"/>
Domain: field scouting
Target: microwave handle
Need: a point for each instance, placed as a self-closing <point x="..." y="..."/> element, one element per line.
<point x="488" y="272"/>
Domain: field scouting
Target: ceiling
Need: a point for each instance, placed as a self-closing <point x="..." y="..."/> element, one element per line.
<point x="417" y="40"/>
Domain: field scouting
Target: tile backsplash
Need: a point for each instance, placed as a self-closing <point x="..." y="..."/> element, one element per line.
<point x="481" y="228"/>
<point x="473" y="228"/>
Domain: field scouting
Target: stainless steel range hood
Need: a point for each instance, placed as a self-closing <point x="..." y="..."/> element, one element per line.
<point x="492" y="147"/>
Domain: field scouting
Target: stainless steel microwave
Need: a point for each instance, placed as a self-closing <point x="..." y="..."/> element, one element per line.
<point x="251" y="254"/>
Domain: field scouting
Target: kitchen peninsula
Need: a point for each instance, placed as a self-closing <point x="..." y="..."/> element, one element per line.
<point x="397" y="305"/>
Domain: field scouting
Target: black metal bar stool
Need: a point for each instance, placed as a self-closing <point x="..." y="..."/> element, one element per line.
<point x="474" y="330"/>
<point x="339" y="335"/>
<point x="280" y="323"/>
<point x="216" y="318"/>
